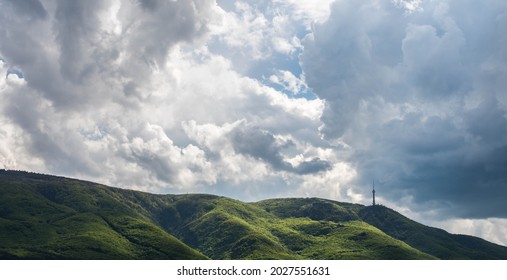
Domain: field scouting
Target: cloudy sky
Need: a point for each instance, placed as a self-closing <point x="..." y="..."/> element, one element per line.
<point x="266" y="98"/>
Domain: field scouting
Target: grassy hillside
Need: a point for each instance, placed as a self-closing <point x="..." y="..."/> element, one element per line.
<point x="230" y="229"/>
<point x="48" y="217"/>
<point x="431" y="240"/>
<point x="44" y="217"/>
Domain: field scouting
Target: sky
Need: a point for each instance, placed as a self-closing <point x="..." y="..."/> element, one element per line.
<point x="266" y="98"/>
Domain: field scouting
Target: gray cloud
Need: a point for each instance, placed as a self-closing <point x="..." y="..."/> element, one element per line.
<point x="263" y="146"/>
<point x="69" y="57"/>
<point x="76" y="23"/>
<point x="31" y="8"/>
<point x="260" y="145"/>
<point x="69" y="53"/>
<point x="437" y="164"/>
<point x="169" y="22"/>
<point x="107" y="86"/>
<point x="487" y="123"/>
<point x="61" y="149"/>
<point x="418" y="99"/>
<point x="314" y="165"/>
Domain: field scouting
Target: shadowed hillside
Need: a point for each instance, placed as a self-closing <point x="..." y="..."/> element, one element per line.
<point x="431" y="240"/>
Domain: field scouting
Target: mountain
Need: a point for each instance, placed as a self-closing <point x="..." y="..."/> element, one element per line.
<point x="434" y="241"/>
<point x="46" y="217"/>
<point x="49" y="217"/>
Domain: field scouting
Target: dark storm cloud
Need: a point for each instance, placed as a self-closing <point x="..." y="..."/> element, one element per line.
<point x="263" y="146"/>
<point x="487" y="123"/>
<point x="419" y="99"/>
<point x="434" y="161"/>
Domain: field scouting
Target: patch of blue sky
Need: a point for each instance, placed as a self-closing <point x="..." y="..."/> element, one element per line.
<point x="306" y="92"/>
<point x="263" y="70"/>
<point x="14" y="71"/>
<point x="95" y="134"/>
<point x="281" y="88"/>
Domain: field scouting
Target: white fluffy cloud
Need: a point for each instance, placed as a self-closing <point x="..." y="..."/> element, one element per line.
<point x="247" y="35"/>
<point x="115" y="96"/>
<point x="289" y="82"/>
<point x="492" y="229"/>
<point x="11" y="143"/>
<point x="309" y="12"/>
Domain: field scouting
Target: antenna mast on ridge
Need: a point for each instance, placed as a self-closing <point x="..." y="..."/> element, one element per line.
<point x="373" y="191"/>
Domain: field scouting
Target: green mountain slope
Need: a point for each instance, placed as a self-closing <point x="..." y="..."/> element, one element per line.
<point x="431" y="240"/>
<point x="45" y="217"/>
<point x="48" y="217"/>
<point x="230" y="229"/>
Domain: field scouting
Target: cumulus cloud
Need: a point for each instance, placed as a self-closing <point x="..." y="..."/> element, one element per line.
<point x="250" y="31"/>
<point x="30" y="8"/>
<point x="289" y="82"/>
<point x="308" y="12"/>
<point x="115" y="96"/>
<point x="10" y="142"/>
<point x="265" y="146"/>
<point x="406" y="93"/>
<point x="152" y="150"/>
<point x="262" y="37"/>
